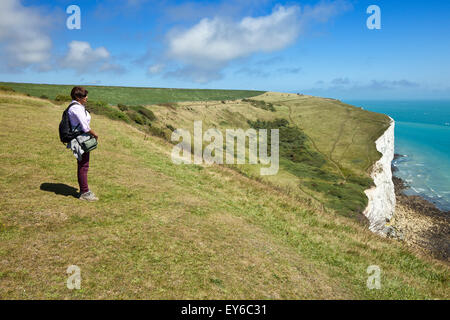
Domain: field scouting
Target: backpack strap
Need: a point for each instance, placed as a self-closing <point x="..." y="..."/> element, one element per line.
<point x="70" y="105"/>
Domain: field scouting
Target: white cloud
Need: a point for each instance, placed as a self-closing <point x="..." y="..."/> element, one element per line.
<point x="156" y="68"/>
<point x="80" y="52"/>
<point x="217" y="41"/>
<point x="83" y="58"/>
<point x="23" y="39"/>
<point x="211" y="44"/>
<point x="323" y="11"/>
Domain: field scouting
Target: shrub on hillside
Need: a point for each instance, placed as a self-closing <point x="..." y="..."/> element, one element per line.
<point x="136" y="117"/>
<point x="155" y="131"/>
<point x="293" y="142"/>
<point x="260" y="104"/>
<point x="63" y="98"/>
<point x="122" y="107"/>
<point x="172" y="106"/>
<point x="145" y="112"/>
<point x="102" y="108"/>
<point x="6" y="88"/>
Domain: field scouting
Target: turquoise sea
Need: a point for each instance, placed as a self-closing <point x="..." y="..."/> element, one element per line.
<point x="422" y="135"/>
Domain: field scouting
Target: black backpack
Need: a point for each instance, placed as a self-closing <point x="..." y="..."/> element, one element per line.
<point x="66" y="133"/>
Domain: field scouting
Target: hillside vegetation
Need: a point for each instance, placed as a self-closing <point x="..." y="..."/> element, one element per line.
<point x="165" y="231"/>
<point x="327" y="147"/>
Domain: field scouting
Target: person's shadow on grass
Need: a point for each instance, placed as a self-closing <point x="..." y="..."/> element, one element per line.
<point x="60" y="188"/>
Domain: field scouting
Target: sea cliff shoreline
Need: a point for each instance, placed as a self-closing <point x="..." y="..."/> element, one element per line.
<point x="421" y="224"/>
<point x="394" y="214"/>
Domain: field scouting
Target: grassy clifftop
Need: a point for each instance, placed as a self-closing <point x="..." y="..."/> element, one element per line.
<point x="327" y="147"/>
<point x="168" y="231"/>
<point x="130" y="95"/>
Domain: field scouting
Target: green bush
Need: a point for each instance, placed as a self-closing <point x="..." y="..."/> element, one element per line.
<point x="155" y="131"/>
<point x="145" y="112"/>
<point x="43" y="96"/>
<point x="364" y="182"/>
<point x="122" y="107"/>
<point x="293" y="142"/>
<point x="346" y="198"/>
<point x="96" y="106"/>
<point x="136" y="117"/>
<point x="63" y="98"/>
<point x="260" y="104"/>
<point x="137" y="114"/>
<point x="6" y="88"/>
<point x="102" y="108"/>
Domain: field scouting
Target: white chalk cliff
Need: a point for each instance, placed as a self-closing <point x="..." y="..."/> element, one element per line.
<point x="381" y="206"/>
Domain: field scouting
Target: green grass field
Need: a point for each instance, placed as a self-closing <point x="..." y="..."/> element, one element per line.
<point x="166" y="231"/>
<point x="129" y="95"/>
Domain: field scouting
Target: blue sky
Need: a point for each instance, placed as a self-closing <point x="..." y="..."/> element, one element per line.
<point x="321" y="48"/>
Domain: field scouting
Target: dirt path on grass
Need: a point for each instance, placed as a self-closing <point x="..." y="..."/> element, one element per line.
<point x="315" y="146"/>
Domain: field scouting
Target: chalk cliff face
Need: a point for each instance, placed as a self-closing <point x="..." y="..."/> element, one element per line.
<point x="381" y="206"/>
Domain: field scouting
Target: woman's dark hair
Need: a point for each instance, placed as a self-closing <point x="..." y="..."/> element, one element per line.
<point x="78" y="93"/>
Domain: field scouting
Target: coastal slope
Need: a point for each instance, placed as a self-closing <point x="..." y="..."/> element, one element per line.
<point x="327" y="148"/>
<point x="166" y="231"/>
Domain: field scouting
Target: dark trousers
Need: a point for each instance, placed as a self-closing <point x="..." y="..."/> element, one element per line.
<point x="83" y="167"/>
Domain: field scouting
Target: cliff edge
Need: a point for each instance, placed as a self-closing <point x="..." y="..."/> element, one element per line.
<point x="381" y="206"/>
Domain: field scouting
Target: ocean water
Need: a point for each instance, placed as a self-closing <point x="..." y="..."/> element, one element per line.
<point x="422" y="135"/>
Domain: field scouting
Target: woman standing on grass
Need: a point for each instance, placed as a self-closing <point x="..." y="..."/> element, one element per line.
<point x="80" y="118"/>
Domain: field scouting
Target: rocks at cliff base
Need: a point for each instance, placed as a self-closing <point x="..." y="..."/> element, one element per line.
<point x="394" y="233"/>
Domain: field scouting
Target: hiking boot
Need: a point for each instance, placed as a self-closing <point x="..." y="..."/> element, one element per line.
<point x="88" y="196"/>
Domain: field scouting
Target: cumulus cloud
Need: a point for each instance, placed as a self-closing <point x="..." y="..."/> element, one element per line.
<point x="83" y="58"/>
<point x="217" y="41"/>
<point x="211" y="44"/>
<point x="23" y="37"/>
